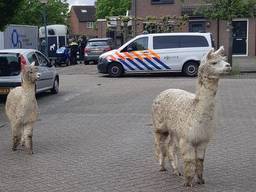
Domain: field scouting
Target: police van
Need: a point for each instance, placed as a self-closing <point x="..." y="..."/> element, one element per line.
<point x="156" y="53"/>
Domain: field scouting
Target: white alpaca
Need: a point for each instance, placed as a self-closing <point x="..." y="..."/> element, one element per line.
<point x="22" y="110"/>
<point x="185" y="121"/>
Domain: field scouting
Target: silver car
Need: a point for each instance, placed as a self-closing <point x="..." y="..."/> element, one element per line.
<point x="10" y="70"/>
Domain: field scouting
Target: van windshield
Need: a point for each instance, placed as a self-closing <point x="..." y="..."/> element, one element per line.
<point x="9" y="65"/>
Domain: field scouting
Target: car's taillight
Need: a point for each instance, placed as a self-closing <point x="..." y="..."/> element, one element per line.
<point x="86" y="50"/>
<point x="22" y="61"/>
<point x="107" y="49"/>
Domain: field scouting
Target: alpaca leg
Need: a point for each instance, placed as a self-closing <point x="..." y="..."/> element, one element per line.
<point x="160" y="148"/>
<point x="173" y="156"/>
<point x="28" y="133"/>
<point x="200" y="153"/>
<point x="188" y="154"/>
<point x="16" y="136"/>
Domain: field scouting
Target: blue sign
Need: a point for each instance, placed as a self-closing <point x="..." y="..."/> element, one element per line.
<point x="15" y="38"/>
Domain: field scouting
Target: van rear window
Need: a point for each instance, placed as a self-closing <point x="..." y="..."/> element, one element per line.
<point x="193" y="41"/>
<point x="167" y="42"/>
<point x="9" y="65"/>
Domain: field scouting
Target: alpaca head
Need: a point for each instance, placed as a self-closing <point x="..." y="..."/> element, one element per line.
<point x="30" y="73"/>
<point x="214" y="64"/>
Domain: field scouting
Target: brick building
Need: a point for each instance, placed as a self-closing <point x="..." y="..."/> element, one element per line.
<point x="82" y="20"/>
<point x="244" y="31"/>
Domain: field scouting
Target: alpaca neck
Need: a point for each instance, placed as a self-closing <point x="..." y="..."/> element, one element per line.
<point x="29" y="87"/>
<point x="205" y="94"/>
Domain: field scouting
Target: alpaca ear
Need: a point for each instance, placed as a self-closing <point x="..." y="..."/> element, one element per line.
<point x="220" y="51"/>
<point x="209" y="54"/>
<point x="33" y="63"/>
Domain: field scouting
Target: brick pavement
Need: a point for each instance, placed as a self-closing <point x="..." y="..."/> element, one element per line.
<point x="95" y="136"/>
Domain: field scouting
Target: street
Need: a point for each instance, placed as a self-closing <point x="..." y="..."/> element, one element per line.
<point x="96" y="136"/>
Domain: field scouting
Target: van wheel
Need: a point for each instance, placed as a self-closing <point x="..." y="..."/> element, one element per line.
<point x="115" y="70"/>
<point x="55" y="88"/>
<point x="190" y="68"/>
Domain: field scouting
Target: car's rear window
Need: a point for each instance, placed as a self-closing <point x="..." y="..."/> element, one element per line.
<point x="9" y="65"/>
<point x="97" y="43"/>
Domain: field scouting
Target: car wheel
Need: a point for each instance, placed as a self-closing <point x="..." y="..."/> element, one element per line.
<point x="55" y="88"/>
<point x="86" y="62"/>
<point x="115" y="70"/>
<point x="190" y="68"/>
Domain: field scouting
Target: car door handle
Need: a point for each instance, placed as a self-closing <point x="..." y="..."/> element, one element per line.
<point x="38" y="75"/>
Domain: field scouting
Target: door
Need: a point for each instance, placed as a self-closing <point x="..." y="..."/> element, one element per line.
<point x="52" y="46"/>
<point x="167" y="47"/>
<point x="135" y="56"/>
<point x="239" y="37"/>
<point x="46" y="72"/>
<point x="31" y="56"/>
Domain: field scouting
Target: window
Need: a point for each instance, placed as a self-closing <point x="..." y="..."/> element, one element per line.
<point x="193" y="41"/>
<point x="166" y="42"/>
<point x="42" y="60"/>
<point x="137" y="45"/>
<point x="162" y="2"/>
<point x="89" y="25"/>
<point x="32" y="58"/>
<point x="197" y="26"/>
<point x="9" y="65"/>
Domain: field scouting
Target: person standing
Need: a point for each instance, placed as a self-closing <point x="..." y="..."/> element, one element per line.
<point x="73" y="52"/>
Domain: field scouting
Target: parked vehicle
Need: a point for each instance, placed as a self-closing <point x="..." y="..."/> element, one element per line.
<point x="57" y="37"/>
<point x="63" y="56"/>
<point x="19" y="36"/>
<point x="155" y="53"/>
<point x="95" y="47"/>
<point x="11" y="61"/>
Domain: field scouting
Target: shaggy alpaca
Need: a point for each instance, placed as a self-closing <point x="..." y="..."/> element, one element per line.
<point x="22" y="110"/>
<point x="185" y="121"/>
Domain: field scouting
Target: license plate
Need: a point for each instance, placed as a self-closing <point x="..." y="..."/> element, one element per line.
<point x="97" y="50"/>
<point x="4" y="90"/>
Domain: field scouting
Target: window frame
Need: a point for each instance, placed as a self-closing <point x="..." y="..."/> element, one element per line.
<point x="125" y="49"/>
<point x="89" y="25"/>
<point x="47" y="64"/>
<point x="162" y="2"/>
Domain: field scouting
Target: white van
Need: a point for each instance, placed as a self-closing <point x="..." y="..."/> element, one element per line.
<point x="155" y="53"/>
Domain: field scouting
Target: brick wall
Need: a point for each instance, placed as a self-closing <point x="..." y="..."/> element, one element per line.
<point x="144" y="8"/>
<point x="80" y="28"/>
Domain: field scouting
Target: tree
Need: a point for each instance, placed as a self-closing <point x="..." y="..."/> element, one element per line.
<point x="8" y="9"/>
<point x="106" y="8"/>
<point x="228" y="10"/>
<point x="31" y="12"/>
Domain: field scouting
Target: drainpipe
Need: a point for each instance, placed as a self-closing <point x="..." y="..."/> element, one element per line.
<point x="134" y="7"/>
<point x="218" y="33"/>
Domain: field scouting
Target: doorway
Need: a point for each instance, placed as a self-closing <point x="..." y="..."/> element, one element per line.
<point x="240" y="37"/>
